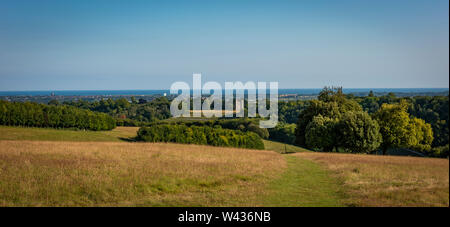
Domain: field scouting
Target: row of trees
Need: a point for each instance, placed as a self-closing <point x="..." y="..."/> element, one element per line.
<point x="334" y="122"/>
<point x="283" y="132"/>
<point x="39" y="115"/>
<point x="203" y="135"/>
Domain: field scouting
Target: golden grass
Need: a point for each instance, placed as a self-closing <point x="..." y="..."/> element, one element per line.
<point x="48" y="134"/>
<point x="370" y="180"/>
<point x="283" y="148"/>
<point x="45" y="173"/>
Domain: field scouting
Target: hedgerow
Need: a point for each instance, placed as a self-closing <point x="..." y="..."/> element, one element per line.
<point x="203" y="135"/>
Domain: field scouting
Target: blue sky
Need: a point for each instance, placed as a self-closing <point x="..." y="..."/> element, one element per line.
<point x="82" y="45"/>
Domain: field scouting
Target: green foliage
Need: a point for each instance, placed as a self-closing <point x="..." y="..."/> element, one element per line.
<point x="200" y="135"/>
<point x="288" y="111"/>
<point x="354" y="132"/>
<point x="283" y="132"/>
<point x="241" y="124"/>
<point x="142" y="111"/>
<point x="439" y="152"/>
<point x="358" y="132"/>
<point x="330" y="109"/>
<point x="433" y="109"/>
<point x="321" y="133"/>
<point x="337" y="121"/>
<point x="421" y="133"/>
<point x="53" y="116"/>
<point x="399" y="130"/>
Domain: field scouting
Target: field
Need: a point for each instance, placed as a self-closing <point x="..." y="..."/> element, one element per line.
<point x="43" y="173"/>
<point x="370" y="180"/>
<point x="46" y="134"/>
<point x="48" y="167"/>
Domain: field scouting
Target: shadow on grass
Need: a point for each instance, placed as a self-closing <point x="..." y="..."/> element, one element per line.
<point x="128" y="139"/>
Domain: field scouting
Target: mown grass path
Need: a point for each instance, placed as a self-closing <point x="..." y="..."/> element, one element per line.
<point x="304" y="183"/>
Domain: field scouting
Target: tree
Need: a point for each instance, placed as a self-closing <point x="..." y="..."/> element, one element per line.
<point x="399" y="130"/>
<point x="142" y="101"/>
<point x="358" y="132"/>
<point x="61" y="116"/>
<point x="53" y="102"/>
<point x="394" y="125"/>
<point x="315" y="108"/>
<point x="133" y="100"/>
<point x="421" y="134"/>
<point x="283" y="132"/>
<point x="331" y="104"/>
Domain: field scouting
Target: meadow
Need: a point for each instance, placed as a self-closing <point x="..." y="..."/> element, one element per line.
<point x="375" y="180"/>
<point x="49" y="167"/>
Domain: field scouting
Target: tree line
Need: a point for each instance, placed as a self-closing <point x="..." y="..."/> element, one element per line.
<point x="62" y="116"/>
<point x="128" y="113"/>
<point x="335" y="122"/>
<point x="433" y="110"/>
<point x="203" y="135"/>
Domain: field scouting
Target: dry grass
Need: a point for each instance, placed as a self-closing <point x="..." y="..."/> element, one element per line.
<point x="48" y="134"/>
<point x="387" y="180"/>
<point x="45" y="173"/>
<point x="283" y="148"/>
<point x="48" y="167"/>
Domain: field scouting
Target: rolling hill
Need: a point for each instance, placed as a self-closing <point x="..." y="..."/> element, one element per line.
<point x="48" y="167"/>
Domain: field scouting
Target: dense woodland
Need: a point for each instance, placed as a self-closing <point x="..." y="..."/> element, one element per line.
<point x="40" y="115"/>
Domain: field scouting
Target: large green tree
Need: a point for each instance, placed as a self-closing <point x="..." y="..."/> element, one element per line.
<point x="358" y="132"/>
<point x="332" y="104"/>
<point x="398" y="130"/>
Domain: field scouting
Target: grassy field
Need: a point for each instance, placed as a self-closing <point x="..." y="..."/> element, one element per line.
<point x="283" y="148"/>
<point x="48" y="173"/>
<point x="370" y="180"/>
<point x="48" y="167"/>
<point x="305" y="184"/>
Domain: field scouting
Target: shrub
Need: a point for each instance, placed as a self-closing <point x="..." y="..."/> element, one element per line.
<point x="202" y="135"/>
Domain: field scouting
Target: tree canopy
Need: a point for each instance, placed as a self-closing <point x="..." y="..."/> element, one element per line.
<point x="399" y="130"/>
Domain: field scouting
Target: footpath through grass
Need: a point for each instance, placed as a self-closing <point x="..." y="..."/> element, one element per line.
<point x="283" y="148"/>
<point x="304" y="184"/>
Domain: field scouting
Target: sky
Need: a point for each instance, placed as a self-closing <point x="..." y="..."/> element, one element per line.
<point x="118" y="45"/>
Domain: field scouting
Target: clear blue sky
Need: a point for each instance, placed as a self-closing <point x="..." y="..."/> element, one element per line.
<point x="60" y="45"/>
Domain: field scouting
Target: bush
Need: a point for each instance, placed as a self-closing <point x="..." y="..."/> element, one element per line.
<point x="244" y="125"/>
<point x="128" y="122"/>
<point x="440" y="152"/>
<point x="202" y="135"/>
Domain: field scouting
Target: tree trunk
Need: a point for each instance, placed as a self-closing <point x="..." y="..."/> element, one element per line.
<point x="384" y="150"/>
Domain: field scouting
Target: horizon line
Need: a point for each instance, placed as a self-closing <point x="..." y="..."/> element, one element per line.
<point x="222" y="89"/>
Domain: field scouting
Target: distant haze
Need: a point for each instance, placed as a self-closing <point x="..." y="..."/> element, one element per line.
<point x="118" y="45"/>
